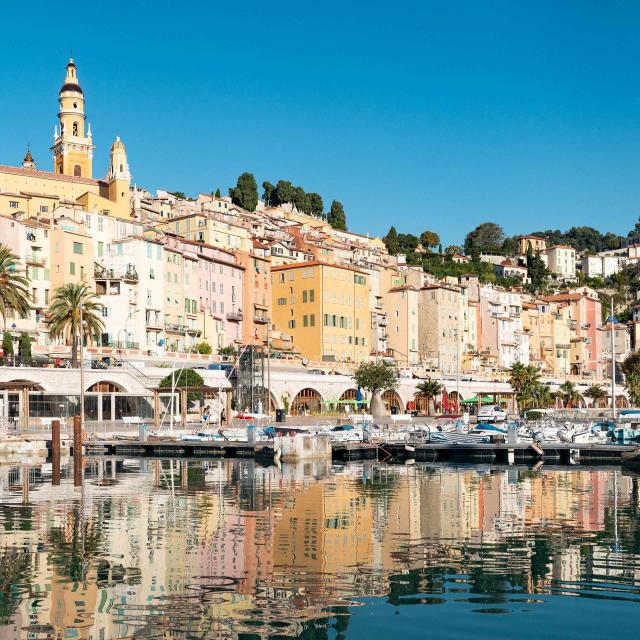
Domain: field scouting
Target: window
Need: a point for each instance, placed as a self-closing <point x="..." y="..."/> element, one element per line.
<point x="13" y="204"/>
<point x="77" y="248"/>
<point x="74" y="129"/>
<point x="100" y="223"/>
<point x="305" y="320"/>
<point x="311" y="295"/>
<point x="292" y="324"/>
<point x="222" y="307"/>
<point x="46" y="296"/>
<point x="304" y="296"/>
<point x="100" y="249"/>
<point x="152" y="274"/>
<point x="72" y="268"/>
<point x="45" y="209"/>
<point x="312" y="320"/>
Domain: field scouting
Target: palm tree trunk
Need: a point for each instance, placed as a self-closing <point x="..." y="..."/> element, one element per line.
<point x="74" y="348"/>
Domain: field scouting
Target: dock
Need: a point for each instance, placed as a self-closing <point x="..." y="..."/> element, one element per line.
<point x="557" y="453"/>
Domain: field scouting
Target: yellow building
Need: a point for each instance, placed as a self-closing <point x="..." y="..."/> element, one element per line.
<point x="71" y="253"/>
<point x="324" y="308"/>
<point x="206" y="228"/>
<point x="535" y="242"/>
<point x="34" y="192"/>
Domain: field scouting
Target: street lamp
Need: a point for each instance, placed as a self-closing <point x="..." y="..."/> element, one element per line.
<point x="14" y="340"/>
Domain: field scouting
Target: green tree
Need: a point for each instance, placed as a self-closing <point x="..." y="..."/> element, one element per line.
<point x="300" y="200"/>
<point x="24" y="350"/>
<point x="569" y="395"/>
<point x="631" y="368"/>
<point x="428" y="389"/>
<point x="486" y="237"/>
<point x="316" y="206"/>
<point x="14" y="286"/>
<point x="536" y="270"/>
<point x="7" y="348"/>
<point x="179" y="194"/>
<point x="597" y="394"/>
<point x="184" y="379"/>
<point x="525" y="383"/>
<point x="283" y="193"/>
<point x="226" y="351"/>
<point x="268" y="193"/>
<point x="375" y="377"/>
<point x="218" y="194"/>
<point x="429" y="239"/>
<point x="632" y="385"/>
<point x="453" y="249"/>
<point x="337" y="217"/>
<point x="63" y="315"/>
<point x="204" y="348"/>
<point x="245" y="193"/>
<point x="391" y="241"/>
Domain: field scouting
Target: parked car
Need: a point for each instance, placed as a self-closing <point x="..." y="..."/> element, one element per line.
<point x="491" y="413"/>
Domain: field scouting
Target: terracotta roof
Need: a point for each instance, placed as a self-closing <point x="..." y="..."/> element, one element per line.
<point x="47" y="175"/>
<point x="314" y="263"/>
<point x="40" y="195"/>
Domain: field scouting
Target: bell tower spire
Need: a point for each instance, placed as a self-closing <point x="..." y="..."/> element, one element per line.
<point x="72" y="148"/>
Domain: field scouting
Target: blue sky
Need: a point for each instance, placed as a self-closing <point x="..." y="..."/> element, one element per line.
<point x="425" y="115"/>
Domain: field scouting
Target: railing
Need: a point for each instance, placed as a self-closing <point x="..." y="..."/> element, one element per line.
<point x="101" y="273"/>
<point x="35" y="260"/>
<point x="234" y="316"/>
<point x="261" y="319"/>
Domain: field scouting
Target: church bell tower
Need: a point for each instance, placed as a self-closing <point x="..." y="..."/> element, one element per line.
<point x="72" y="147"/>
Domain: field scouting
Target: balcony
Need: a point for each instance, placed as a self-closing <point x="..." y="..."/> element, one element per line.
<point x="260" y="319"/>
<point x="128" y="275"/>
<point x="382" y="322"/>
<point x="235" y="316"/>
<point x="172" y="327"/>
<point x="35" y="260"/>
<point x="153" y="324"/>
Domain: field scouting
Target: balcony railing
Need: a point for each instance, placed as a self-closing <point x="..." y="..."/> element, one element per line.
<point x="102" y="273"/>
<point x="261" y="319"/>
<point x="35" y="260"/>
<point x="234" y="316"/>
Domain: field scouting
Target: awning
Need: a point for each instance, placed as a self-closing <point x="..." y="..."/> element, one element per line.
<point x="475" y="400"/>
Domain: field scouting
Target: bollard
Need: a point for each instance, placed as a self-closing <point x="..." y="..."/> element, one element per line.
<point x="77" y="452"/>
<point x="25" y="484"/>
<point x="55" y="453"/>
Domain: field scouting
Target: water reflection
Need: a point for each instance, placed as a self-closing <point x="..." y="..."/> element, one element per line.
<point x="151" y="549"/>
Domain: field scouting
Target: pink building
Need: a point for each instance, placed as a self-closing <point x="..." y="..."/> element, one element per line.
<point x="585" y="311"/>
<point x="216" y="284"/>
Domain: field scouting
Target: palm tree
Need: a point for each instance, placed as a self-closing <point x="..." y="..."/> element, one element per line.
<point x="569" y="394"/>
<point x="544" y="397"/>
<point x="63" y="315"/>
<point x="524" y="380"/>
<point x="597" y="394"/>
<point x="428" y="389"/>
<point x="14" y="286"/>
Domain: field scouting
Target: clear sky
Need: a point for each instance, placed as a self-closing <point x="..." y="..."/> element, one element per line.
<point x="425" y="115"/>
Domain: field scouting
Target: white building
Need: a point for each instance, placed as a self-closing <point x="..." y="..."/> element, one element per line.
<point x="561" y="260"/>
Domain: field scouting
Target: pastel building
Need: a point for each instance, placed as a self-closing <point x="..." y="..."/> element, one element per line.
<point x="325" y="308"/>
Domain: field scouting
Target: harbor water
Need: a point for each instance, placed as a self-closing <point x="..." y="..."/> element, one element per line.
<point x="231" y="549"/>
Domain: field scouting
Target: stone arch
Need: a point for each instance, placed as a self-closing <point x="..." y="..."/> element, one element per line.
<point x="348" y="394"/>
<point x="21" y="383"/>
<point x="391" y="398"/>
<point x="622" y="402"/>
<point x="307" y="400"/>
<point x="105" y="386"/>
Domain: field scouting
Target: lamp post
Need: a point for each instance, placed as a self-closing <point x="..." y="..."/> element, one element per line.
<point x="81" y="369"/>
<point x="14" y="341"/>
